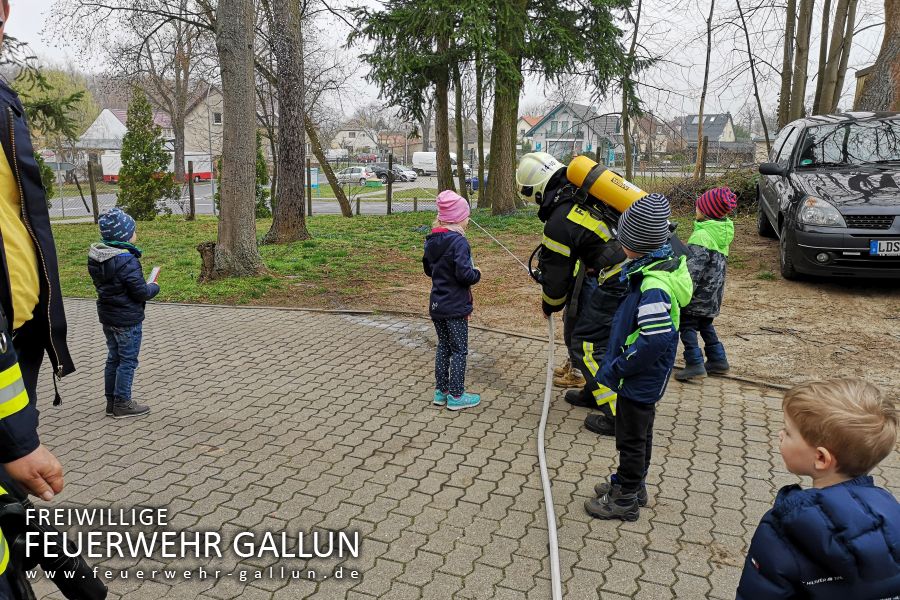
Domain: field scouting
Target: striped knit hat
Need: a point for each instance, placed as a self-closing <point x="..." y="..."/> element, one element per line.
<point x="717" y="202"/>
<point x="644" y="227"/>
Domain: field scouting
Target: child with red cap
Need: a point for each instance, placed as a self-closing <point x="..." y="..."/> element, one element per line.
<point x="448" y="261"/>
<point x="708" y="245"/>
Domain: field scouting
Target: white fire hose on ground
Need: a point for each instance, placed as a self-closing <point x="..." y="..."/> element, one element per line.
<point x="555" y="579"/>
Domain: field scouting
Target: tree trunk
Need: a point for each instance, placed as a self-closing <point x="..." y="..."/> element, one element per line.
<point x="289" y="222"/>
<point x="801" y="60"/>
<point x="316" y="146"/>
<point x="700" y="150"/>
<point x="483" y="199"/>
<point x="626" y="138"/>
<point x="787" y="73"/>
<point x="236" y="253"/>
<point x="762" y="116"/>
<point x="426" y="128"/>
<point x="845" y="55"/>
<point x="510" y="32"/>
<point x="823" y="53"/>
<point x="881" y="89"/>
<point x="460" y="140"/>
<point x="442" y="121"/>
<point x="829" y="69"/>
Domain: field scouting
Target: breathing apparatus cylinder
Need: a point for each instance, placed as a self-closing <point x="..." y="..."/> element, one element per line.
<point x="604" y="185"/>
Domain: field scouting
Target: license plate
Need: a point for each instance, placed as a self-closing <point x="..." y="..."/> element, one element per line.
<point x="884" y="247"/>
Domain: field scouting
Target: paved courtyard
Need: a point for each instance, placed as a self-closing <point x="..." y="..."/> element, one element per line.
<point x="270" y="420"/>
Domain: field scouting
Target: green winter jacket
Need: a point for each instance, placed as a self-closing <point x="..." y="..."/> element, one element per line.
<point x="707" y="257"/>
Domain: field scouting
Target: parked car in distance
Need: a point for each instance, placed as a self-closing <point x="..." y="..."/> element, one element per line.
<point x="408" y="173"/>
<point x="357" y="175"/>
<point x="381" y="172"/>
<point x="831" y="194"/>
<point x="366" y="157"/>
<point x="425" y="163"/>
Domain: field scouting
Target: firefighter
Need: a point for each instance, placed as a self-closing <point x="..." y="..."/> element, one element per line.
<point x="580" y="264"/>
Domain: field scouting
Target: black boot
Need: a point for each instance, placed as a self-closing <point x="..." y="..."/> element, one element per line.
<point x="605" y="487"/>
<point x="695" y="371"/>
<point x="109" y="406"/>
<point x="614" y="505"/>
<point x="600" y="424"/>
<point x="581" y="398"/>
<point x="718" y="367"/>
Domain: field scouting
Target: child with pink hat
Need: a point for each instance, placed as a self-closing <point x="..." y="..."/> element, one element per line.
<point x="448" y="261"/>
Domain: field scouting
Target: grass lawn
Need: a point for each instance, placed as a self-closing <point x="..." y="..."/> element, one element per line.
<point x="345" y="257"/>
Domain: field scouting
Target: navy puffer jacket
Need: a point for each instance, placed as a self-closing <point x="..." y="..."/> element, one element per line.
<point x="841" y="542"/>
<point x="448" y="261"/>
<point x="122" y="293"/>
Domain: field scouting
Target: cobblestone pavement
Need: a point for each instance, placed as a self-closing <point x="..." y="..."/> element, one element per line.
<point x="280" y="420"/>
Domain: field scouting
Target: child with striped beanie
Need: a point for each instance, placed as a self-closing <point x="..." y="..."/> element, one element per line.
<point x="708" y="246"/>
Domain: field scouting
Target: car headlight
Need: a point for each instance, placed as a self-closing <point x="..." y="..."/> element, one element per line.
<point x="814" y="211"/>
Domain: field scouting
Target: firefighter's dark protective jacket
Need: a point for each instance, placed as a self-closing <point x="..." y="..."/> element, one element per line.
<point x="575" y="236"/>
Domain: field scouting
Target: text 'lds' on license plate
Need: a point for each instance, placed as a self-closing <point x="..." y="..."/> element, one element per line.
<point x="884" y="247"/>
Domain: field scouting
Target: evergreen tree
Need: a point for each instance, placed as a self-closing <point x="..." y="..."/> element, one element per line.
<point x="262" y="181"/>
<point x="144" y="179"/>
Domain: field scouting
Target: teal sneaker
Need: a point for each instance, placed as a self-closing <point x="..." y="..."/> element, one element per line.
<point x="464" y="401"/>
<point x="440" y="398"/>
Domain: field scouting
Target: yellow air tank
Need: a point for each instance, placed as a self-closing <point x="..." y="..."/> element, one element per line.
<point x="610" y="188"/>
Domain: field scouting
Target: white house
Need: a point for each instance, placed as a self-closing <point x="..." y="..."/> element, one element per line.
<point x="572" y="129"/>
<point x="354" y="138"/>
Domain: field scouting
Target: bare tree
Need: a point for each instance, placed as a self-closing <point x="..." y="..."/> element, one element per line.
<point x="700" y="149"/>
<point x="833" y="70"/>
<point x="881" y="90"/>
<point x="787" y="69"/>
<point x="285" y="20"/>
<point x="801" y="60"/>
<point x="762" y="115"/>
<point x="460" y="134"/>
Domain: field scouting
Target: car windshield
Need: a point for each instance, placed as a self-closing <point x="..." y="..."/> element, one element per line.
<point x="854" y="143"/>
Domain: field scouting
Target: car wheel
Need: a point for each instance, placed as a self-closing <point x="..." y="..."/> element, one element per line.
<point x="786" y="254"/>
<point x="383" y="179"/>
<point x="362" y="183"/>
<point x="763" y="225"/>
<point x="197" y="179"/>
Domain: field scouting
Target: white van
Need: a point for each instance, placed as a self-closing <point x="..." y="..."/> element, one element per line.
<point x="425" y="163"/>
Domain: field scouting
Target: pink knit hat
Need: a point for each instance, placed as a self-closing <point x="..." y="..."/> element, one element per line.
<point x="452" y="208"/>
<point x="717" y="202"/>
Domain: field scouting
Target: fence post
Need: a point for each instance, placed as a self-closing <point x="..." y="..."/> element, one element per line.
<point x="390" y="180"/>
<point x="703" y="162"/>
<point x="192" y="212"/>
<point x="309" y="186"/>
<point x="415" y="204"/>
<point x="357" y="206"/>
<point x="93" y="184"/>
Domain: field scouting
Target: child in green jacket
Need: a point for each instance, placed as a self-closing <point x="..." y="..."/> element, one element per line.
<point x="708" y="245"/>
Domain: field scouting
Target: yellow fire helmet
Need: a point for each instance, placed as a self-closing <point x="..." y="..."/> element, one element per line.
<point x="534" y="172"/>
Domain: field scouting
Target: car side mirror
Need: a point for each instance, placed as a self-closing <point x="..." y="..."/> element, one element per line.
<point x="771" y="169"/>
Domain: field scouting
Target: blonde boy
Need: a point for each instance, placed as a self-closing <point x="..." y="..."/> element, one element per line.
<point x="839" y="539"/>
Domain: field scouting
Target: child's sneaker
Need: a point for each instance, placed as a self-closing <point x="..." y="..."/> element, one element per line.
<point x="440" y="398"/>
<point x="109" y="406"/>
<point x="129" y="408"/>
<point x="464" y="401"/>
<point x="614" y="505"/>
<point x="605" y="487"/>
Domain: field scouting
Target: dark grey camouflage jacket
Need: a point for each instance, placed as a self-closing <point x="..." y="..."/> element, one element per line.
<point x="707" y="263"/>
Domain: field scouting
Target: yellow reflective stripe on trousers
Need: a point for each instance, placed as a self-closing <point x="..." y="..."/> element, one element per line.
<point x="602" y="395"/>
<point x="586" y="220"/>
<point x="4" y="547"/>
<point x="554" y="301"/>
<point x="13" y="396"/>
<point x="552" y="244"/>
<point x="589" y="362"/>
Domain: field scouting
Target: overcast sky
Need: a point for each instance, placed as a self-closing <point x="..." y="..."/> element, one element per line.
<point x="673" y="28"/>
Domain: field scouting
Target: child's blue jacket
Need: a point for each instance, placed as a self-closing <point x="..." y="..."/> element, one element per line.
<point x="448" y="261"/>
<point x="841" y="542"/>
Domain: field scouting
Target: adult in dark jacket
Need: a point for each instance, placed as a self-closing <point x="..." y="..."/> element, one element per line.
<point x="32" y="318"/>
<point x="122" y="294"/>
<point x="448" y="261"/>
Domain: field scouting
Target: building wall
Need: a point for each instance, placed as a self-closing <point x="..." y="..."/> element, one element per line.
<point x="355" y="139"/>
<point x="201" y="122"/>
